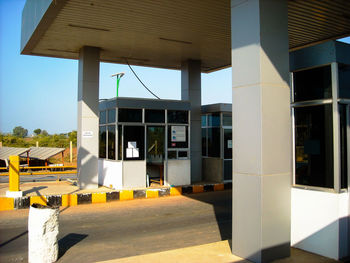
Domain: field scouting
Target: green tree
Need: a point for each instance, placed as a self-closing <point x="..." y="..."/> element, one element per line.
<point x="44" y="133"/>
<point x="37" y="131"/>
<point x="20" y="132"/>
<point x="73" y="137"/>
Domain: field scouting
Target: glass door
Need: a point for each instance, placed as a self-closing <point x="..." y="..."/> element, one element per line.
<point x="155" y="155"/>
<point x="227" y="154"/>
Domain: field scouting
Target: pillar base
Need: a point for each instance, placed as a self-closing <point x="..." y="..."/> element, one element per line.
<point x="14" y="194"/>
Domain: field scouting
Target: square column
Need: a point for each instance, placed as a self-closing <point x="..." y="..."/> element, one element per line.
<point x="262" y="151"/>
<point x="88" y="94"/>
<point x="191" y="91"/>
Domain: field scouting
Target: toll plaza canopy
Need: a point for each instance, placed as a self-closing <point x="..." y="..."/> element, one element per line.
<point x="163" y="33"/>
<point x="255" y="38"/>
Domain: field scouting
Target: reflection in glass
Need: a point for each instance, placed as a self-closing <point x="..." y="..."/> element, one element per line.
<point x="344" y="81"/>
<point x="312" y="84"/>
<point x="111" y="142"/>
<point x="171" y="154"/>
<point x="102" y="142"/>
<point x="204" y="120"/>
<point x="103" y="117"/>
<point x="227" y="119"/>
<point x="314" y="146"/>
<point x="120" y="142"/>
<point x="111" y="116"/>
<point x="343" y="147"/>
<point x="204" y="141"/>
<point x="214" y="120"/>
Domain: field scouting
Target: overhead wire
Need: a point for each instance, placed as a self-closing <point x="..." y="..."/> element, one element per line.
<point x="127" y="62"/>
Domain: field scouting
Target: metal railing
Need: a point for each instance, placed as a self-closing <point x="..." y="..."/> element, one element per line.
<point x="44" y="170"/>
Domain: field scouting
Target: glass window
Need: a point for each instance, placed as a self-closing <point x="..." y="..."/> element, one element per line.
<point x="134" y="142"/>
<point x="227" y="119"/>
<point x="344" y="81"/>
<point x="214" y="142"/>
<point x="155" y="116"/>
<point x="204" y="120"/>
<point x="214" y="120"/>
<point x="129" y="115"/>
<point x="120" y="142"/>
<point x="103" y="117"/>
<point x="182" y="154"/>
<point x="111" y="115"/>
<point x="204" y="141"/>
<point x="343" y="147"/>
<point x="171" y="154"/>
<point x="227" y="144"/>
<point x="227" y="170"/>
<point x="313" y="84"/>
<point x="314" y="146"/>
<point x="111" y="142"/>
<point x="102" y="142"/>
<point x="177" y="136"/>
<point x="176" y="116"/>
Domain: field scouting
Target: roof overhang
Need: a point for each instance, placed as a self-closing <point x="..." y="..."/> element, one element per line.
<point x="163" y="33"/>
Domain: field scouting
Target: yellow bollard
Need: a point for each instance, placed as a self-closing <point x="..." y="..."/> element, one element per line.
<point x="14" y="174"/>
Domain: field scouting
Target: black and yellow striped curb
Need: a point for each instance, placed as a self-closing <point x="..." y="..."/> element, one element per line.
<point x="7" y="203"/>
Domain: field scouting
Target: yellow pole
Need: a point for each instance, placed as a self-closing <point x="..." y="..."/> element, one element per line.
<point x="14" y="174"/>
<point x="71" y="151"/>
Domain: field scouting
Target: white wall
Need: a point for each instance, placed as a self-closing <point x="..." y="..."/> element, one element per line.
<point x="179" y="172"/>
<point x="110" y="173"/>
<point x="134" y="174"/>
<point x="320" y="222"/>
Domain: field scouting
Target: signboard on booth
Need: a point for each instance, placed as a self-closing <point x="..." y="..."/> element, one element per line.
<point x="178" y="133"/>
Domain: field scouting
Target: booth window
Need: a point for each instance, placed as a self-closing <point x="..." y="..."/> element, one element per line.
<point x="344" y="81"/>
<point x="314" y="146"/>
<point x="120" y="142"/>
<point x="103" y="117"/>
<point x="155" y="116"/>
<point x="227" y="119"/>
<point x="172" y="155"/>
<point x="214" y="142"/>
<point x="313" y="84"/>
<point x="227" y="144"/>
<point x="204" y="141"/>
<point x="204" y="120"/>
<point x="177" y="136"/>
<point x="102" y="142"/>
<point x="129" y="115"/>
<point x="343" y="147"/>
<point x="111" y="142"/>
<point x="176" y="116"/>
<point x="111" y="115"/>
<point x="214" y="120"/>
<point x="134" y="142"/>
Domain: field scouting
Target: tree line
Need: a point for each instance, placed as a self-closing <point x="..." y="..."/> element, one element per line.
<point x="18" y="138"/>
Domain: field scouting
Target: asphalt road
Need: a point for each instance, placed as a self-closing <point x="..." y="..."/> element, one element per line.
<point x="91" y="233"/>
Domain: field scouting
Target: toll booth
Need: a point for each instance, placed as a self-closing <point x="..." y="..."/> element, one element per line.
<point x="217" y="142"/>
<point x="143" y="141"/>
<point x="320" y="106"/>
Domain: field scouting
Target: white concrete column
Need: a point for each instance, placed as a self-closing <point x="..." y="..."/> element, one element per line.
<point x="191" y="91"/>
<point x="88" y="92"/>
<point x="262" y="163"/>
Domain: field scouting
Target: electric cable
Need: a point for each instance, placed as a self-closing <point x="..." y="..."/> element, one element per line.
<point x="127" y="62"/>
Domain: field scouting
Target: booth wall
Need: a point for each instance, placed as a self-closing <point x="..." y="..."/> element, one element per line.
<point x="320" y="222"/>
<point x="212" y="169"/>
<point x="110" y="173"/>
<point x="179" y="172"/>
<point x="134" y="174"/>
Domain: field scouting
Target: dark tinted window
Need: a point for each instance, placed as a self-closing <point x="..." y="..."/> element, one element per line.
<point x="227" y="144"/>
<point x="134" y="143"/>
<point x="111" y="142"/>
<point x="314" y="146"/>
<point x="103" y="117"/>
<point x="313" y="84"/>
<point x="344" y="81"/>
<point x="171" y="154"/>
<point x="343" y="147"/>
<point x="155" y="116"/>
<point x="177" y="116"/>
<point x="120" y="142"/>
<point x="227" y="120"/>
<point x="182" y="154"/>
<point x="102" y="142"/>
<point x="129" y="115"/>
<point x="214" y="120"/>
<point x="204" y="120"/>
<point x="111" y="115"/>
<point x="204" y="141"/>
<point x="214" y="142"/>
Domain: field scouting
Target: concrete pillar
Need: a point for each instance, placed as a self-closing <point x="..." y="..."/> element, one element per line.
<point x="88" y="92"/>
<point x="191" y="91"/>
<point x="262" y="163"/>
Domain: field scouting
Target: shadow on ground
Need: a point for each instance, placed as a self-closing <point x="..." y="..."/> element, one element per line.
<point x="68" y="241"/>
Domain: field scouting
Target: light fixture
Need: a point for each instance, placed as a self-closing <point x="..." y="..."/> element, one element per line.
<point x="119" y="76"/>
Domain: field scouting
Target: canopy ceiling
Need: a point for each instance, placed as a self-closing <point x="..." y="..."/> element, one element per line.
<point x="163" y="33"/>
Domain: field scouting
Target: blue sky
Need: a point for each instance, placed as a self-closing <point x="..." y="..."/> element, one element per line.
<point x="40" y="92"/>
